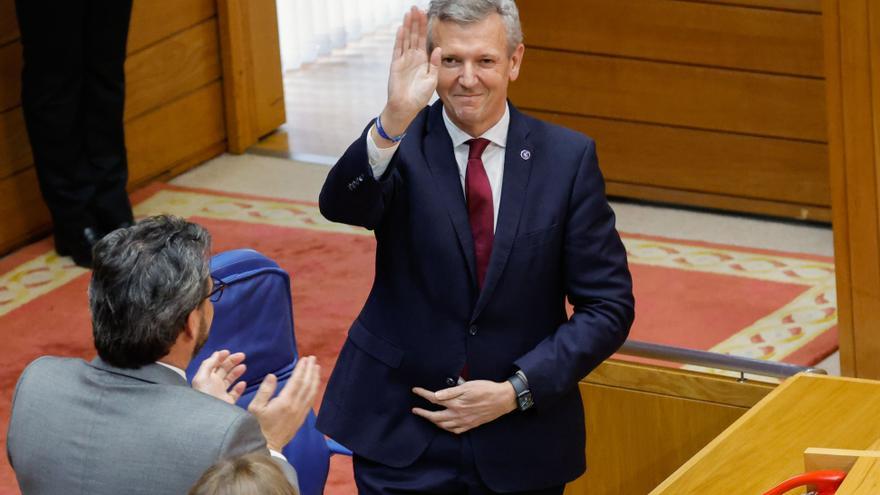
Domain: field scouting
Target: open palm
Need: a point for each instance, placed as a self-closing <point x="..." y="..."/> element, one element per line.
<point x="413" y="76"/>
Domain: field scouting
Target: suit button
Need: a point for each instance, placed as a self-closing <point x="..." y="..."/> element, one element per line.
<point x="473" y="330"/>
<point x="451" y="381"/>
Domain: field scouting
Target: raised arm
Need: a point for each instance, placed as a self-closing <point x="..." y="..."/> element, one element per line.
<point x="360" y="185"/>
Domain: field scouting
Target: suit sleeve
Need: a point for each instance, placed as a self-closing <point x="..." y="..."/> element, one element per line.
<point x="352" y="194"/>
<point x="244" y="437"/>
<point x="597" y="284"/>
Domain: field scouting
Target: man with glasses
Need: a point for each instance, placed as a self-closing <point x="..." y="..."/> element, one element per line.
<point x="127" y="422"/>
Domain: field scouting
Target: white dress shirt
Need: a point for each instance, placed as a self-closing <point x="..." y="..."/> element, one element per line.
<point x="183" y="375"/>
<point x="493" y="156"/>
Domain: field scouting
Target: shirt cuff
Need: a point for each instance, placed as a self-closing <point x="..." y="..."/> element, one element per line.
<point x="380" y="158"/>
<point x="277" y="454"/>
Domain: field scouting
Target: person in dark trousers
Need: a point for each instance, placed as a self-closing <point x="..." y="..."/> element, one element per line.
<point x="73" y="96"/>
<point x="460" y="374"/>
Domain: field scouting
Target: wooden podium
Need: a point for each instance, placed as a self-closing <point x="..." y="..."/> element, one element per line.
<point x="767" y="444"/>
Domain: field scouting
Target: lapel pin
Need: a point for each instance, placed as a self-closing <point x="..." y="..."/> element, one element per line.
<point x="525" y="154"/>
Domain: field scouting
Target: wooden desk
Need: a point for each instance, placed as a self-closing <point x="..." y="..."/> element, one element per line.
<point x="766" y="445"/>
<point x="864" y="476"/>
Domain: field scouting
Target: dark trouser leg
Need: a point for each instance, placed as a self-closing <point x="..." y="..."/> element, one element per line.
<point x="52" y="80"/>
<point x="435" y="472"/>
<point x="106" y="34"/>
<point x="446" y="467"/>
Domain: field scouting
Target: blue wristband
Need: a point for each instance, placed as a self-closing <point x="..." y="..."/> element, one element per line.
<point x="381" y="131"/>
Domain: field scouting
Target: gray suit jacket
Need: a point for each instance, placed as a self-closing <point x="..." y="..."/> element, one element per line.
<point x="79" y="427"/>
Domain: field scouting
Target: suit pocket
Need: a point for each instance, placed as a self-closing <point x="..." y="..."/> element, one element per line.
<point x="535" y="237"/>
<point x="377" y="347"/>
<point x="371" y="377"/>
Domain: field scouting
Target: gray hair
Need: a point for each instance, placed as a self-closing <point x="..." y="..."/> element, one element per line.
<point x="146" y="280"/>
<point x="471" y="11"/>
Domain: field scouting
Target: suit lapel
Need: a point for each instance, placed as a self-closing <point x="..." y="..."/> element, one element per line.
<point x="441" y="160"/>
<point x="517" y="168"/>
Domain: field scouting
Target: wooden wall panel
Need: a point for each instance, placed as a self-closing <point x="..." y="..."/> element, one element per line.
<point x="809" y="6"/>
<point x="21" y="206"/>
<point x="685" y="32"/>
<point x="159" y="139"/>
<point x="719" y="201"/>
<point x="153" y="20"/>
<point x="10" y="75"/>
<point x="717" y="104"/>
<point x="171" y="68"/>
<point x="643" y="422"/>
<point x="15" y="151"/>
<point x="8" y="24"/>
<point x="721" y="157"/>
<point x="680" y="95"/>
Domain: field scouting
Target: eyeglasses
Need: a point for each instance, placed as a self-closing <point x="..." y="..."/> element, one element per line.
<point x="217" y="292"/>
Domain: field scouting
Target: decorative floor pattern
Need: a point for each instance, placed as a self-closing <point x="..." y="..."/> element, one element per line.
<point x="771" y="337"/>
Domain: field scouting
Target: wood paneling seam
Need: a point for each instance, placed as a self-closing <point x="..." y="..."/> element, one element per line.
<point x="674" y="62"/>
<point x="173" y="100"/>
<point x="670" y="126"/>
<point x="670" y="396"/>
<point x="697" y="191"/>
<point x="747" y="6"/>
<point x="172" y="34"/>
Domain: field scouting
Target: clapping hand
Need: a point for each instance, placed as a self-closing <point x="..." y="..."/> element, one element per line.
<point x="281" y="417"/>
<point x="217" y="374"/>
<point x="413" y="76"/>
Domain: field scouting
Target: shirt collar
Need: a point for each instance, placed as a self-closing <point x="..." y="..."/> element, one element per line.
<point x="497" y="134"/>
<point x="173" y="368"/>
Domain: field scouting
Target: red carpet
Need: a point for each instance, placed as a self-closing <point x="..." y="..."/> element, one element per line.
<point x="762" y="304"/>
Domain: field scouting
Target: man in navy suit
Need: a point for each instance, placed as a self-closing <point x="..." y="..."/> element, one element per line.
<point x="460" y="373"/>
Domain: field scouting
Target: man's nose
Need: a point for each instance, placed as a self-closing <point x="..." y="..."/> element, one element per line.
<point x="468" y="76"/>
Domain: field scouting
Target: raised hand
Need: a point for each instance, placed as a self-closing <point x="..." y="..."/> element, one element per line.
<point x="413" y="76"/>
<point x="281" y="417"/>
<point x="217" y="374"/>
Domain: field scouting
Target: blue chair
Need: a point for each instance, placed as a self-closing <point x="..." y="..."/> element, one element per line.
<point x="255" y="316"/>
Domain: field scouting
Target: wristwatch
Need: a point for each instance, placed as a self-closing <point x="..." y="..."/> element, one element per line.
<point x="521" y="388"/>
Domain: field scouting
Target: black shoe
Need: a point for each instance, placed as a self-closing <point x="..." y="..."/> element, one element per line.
<point x="78" y="247"/>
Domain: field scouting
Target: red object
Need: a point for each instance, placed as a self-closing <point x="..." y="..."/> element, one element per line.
<point x="481" y="211"/>
<point x="824" y="482"/>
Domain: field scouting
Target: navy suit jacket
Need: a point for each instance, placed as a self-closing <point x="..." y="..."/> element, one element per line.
<point x="425" y="315"/>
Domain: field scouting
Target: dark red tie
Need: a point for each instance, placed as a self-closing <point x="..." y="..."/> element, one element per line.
<point x="480" y="208"/>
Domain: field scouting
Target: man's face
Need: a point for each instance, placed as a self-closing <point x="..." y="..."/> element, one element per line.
<point x="475" y="70"/>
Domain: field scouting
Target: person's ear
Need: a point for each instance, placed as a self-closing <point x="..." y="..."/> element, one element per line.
<point x="516" y="61"/>
<point x="191" y="326"/>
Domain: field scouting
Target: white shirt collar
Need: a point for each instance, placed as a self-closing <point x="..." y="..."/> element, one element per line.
<point x="497" y="134"/>
<point x="173" y="368"/>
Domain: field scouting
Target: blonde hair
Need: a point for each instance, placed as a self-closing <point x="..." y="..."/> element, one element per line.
<point x="251" y="474"/>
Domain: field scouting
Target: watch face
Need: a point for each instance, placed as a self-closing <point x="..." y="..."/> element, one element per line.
<point x="525" y="401"/>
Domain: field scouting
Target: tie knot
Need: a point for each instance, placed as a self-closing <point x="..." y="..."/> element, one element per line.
<point x="477" y="146"/>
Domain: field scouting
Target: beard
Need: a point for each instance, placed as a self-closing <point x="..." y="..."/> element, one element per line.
<point x="202" y="336"/>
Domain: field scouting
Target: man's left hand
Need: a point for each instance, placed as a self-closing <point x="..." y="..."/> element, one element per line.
<point x="217" y="374"/>
<point x="468" y="405"/>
